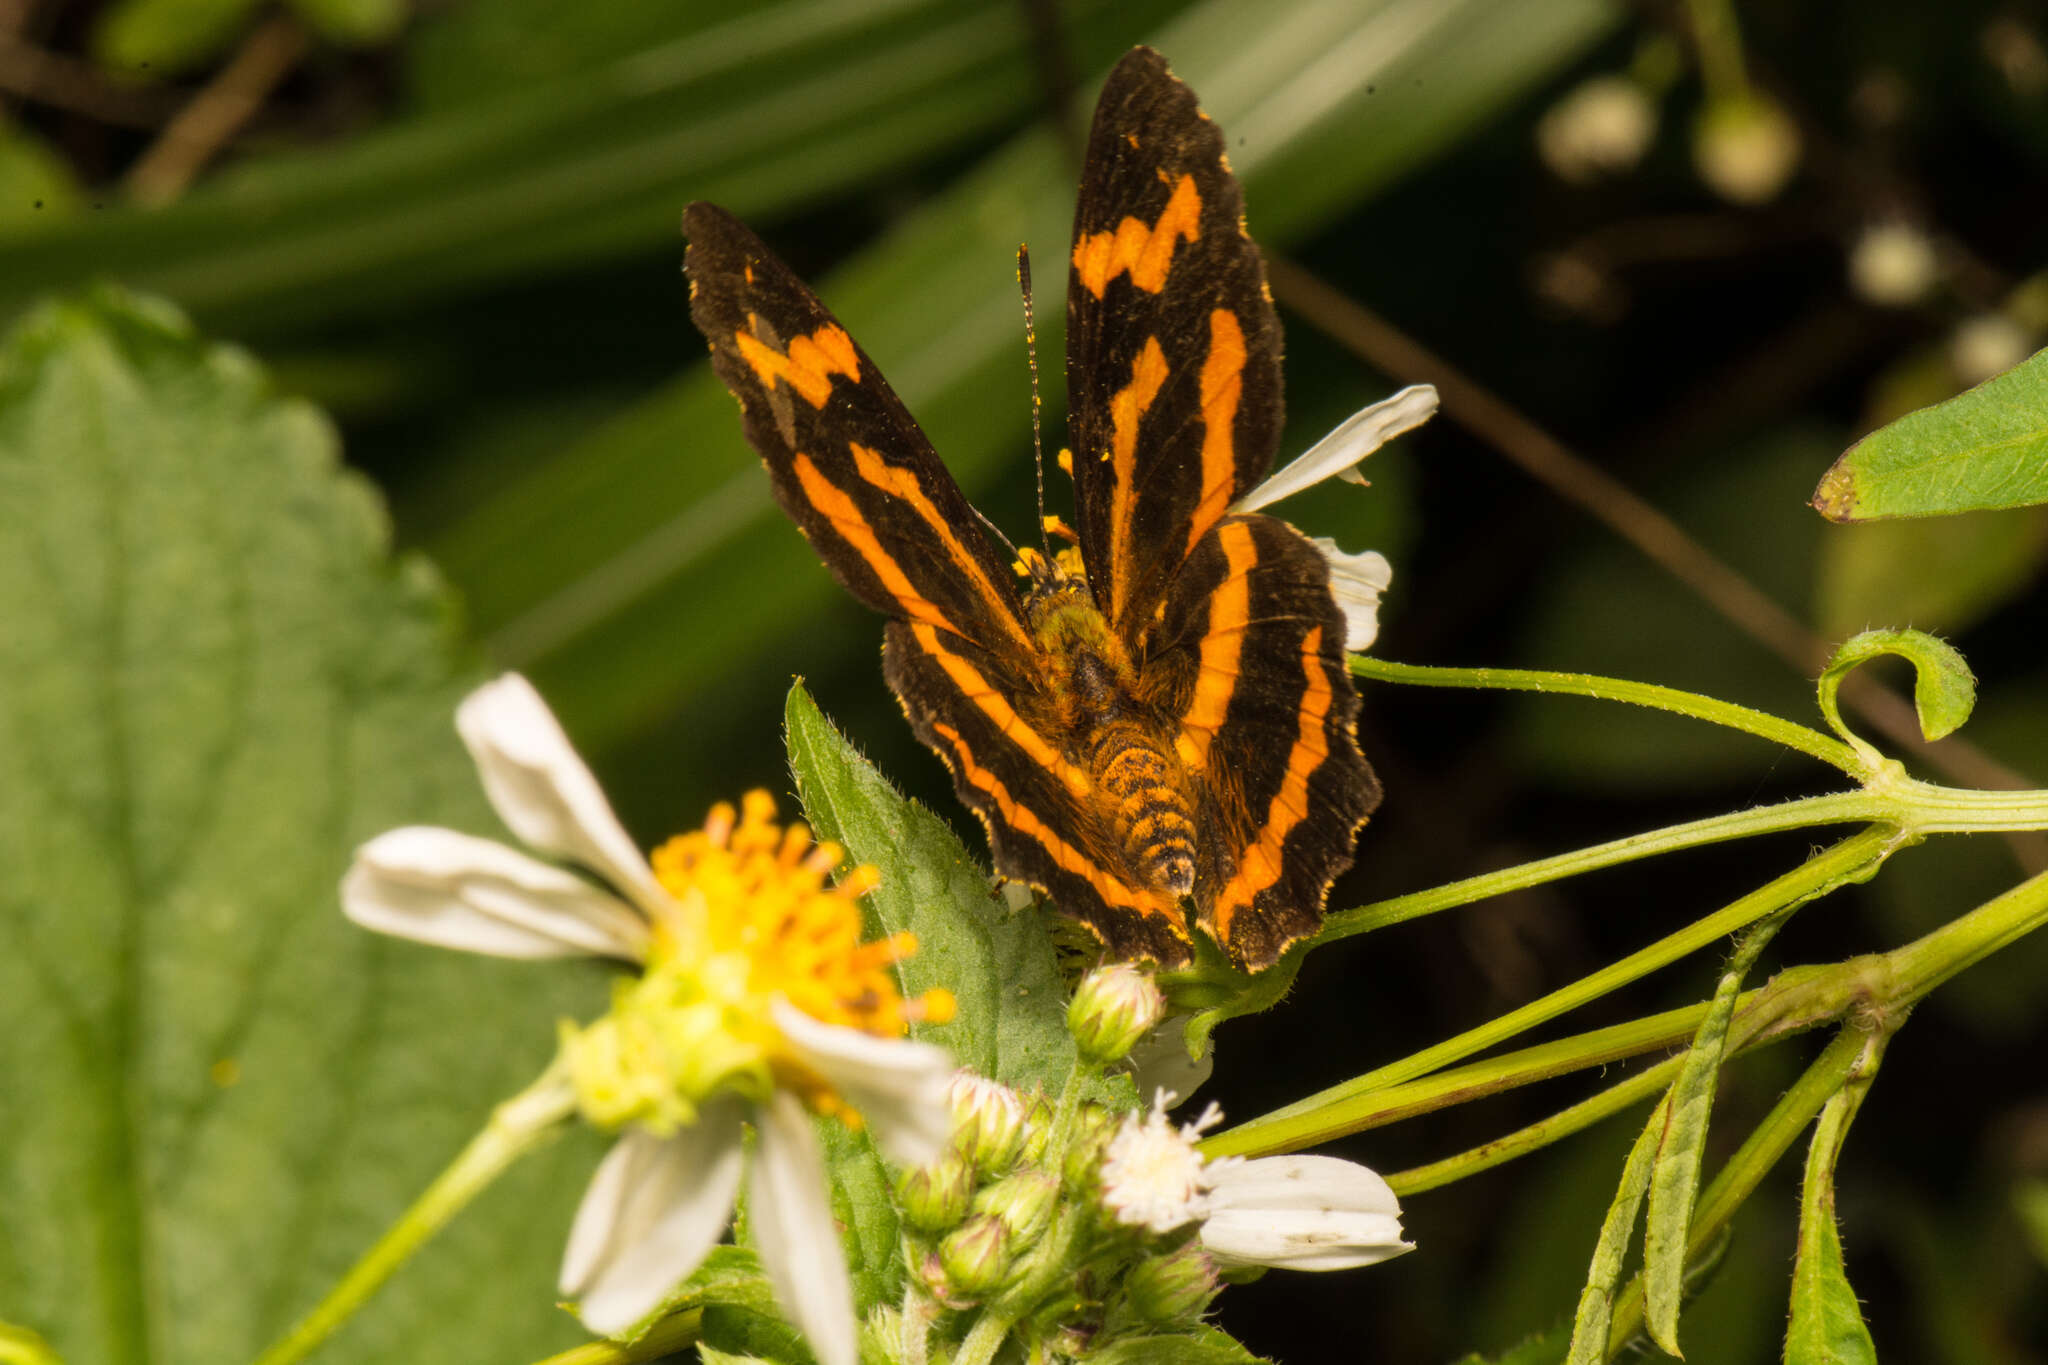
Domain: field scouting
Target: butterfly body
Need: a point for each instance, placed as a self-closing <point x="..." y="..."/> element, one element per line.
<point x="1157" y="728"/>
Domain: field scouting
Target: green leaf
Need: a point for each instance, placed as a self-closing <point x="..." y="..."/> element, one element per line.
<point x="1826" y="1326"/>
<point x="730" y="1276"/>
<point x="1206" y="1347"/>
<point x="1588" y="1342"/>
<point x="1944" y="689"/>
<point x="1675" y="1172"/>
<point x="168" y="37"/>
<point x="1936" y="573"/>
<point x="1542" y="1348"/>
<point x="998" y="963"/>
<point x="215" y="687"/>
<point x="864" y="1207"/>
<point x="1982" y="449"/>
<point x="742" y="1335"/>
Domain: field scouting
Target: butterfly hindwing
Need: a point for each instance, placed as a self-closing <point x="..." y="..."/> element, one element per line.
<point x="1267" y="719"/>
<point x="1011" y="766"/>
<point x="848" y="463"/>
<point x="1173" y="348"/>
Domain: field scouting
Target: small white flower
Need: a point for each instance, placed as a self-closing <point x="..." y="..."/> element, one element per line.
<point x="668" y="1066"/>
<point x="1153" y="1176"/>
<point x="1302" y="1213"/>
<point x="1356" y="580"/>
<point x="1288" y="1212"/>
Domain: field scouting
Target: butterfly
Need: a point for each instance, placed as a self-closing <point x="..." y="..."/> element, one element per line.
<point x="1156" y="725"/>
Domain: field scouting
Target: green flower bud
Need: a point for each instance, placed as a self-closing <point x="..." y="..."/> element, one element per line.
<point x="1037" y="1129"/>
<point x="1173" y="1288"/>
<point x="976" y="1255"/>
<point x="988" y="1121"/>
<point x="1024" y="1202"/>
<point x="934" y="1196"/>
<point x="882" y="1336"/>
<point x="1113" y="1008"/>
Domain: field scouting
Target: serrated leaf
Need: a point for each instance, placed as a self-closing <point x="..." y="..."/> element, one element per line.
<point x="1206" y="1347"/>
<point x="742" y="1335"/>
<point x="998" y="963"/>
<point x="212" y="687"/>
<point x="1982" y="449"/>
<point x="1587" y="1343"/>
<point x="1944" y="689"/>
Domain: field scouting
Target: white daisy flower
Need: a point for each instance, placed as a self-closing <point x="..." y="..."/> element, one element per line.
<point x="1289" y="1212"/>
<point x="1356" y="580"/>
<point x="757" y="1003"/>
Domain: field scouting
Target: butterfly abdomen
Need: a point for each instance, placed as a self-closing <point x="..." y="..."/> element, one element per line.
<point x="1148" y="812"/>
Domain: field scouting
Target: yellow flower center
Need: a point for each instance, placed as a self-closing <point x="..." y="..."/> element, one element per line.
<point x="756" y="919"/>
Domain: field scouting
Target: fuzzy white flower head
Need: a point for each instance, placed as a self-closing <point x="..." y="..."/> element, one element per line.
<point x="1153" y="1176"/>
<point x="756" y="1003"/>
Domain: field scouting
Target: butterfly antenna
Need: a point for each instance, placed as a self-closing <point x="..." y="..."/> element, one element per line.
<point x="1037" y="403"/>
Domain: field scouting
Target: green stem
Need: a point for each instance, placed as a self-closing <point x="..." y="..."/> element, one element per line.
<point x="665" y="1338"/>
<point x="1051" y="1265"/>
<point x="1918" y="967"/>
<point x="516" y="1127"/>
<point x="1540" y="1134"/>
<point x="1711" y="709"/>
<point x="1381" y="1107"/>
<point x="1719" y="43"/>
<point x="1751" y="1163"/>
<point x="1302" y="1122"/>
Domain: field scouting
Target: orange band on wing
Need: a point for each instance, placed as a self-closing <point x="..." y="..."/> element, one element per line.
<point x="1222" y="643"/>
<point x="1013" y="727"/>
<point x="1259" y="866"/>
<point x="1222" y="386"/>
<point x="853" y="528"/>
<point x="1064" y="855"/>
<point x="1144" y="249"/>
<point x="1126" y="409"/>
<point x="901" y="483"/>
<point x="808" y="365"/>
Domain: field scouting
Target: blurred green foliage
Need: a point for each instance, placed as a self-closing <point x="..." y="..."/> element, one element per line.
<point x="464" y="243"/>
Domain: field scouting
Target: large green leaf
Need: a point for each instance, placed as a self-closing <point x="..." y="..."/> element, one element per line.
<point x="998" y="962"/>
<point x="593" y="569"/>
<point x="212" y="687"/>
<point x="1982" y="449"/>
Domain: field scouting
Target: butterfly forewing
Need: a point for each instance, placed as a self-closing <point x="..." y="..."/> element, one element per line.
<point x="1173" y="349"/>
<point x="848" y="463"/>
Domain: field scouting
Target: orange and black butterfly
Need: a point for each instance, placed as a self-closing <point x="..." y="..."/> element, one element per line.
<point x="1157" y="726"/>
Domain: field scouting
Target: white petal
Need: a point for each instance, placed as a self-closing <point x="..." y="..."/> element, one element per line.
<point x="1356" y="437"/>
<point x="898" y="1086"/>
<point x="1160" y="1062"/>
<point x="542" y="791"/>
<point x="789" y="1209"/>
<point x="652" y="1213"/>
<point x="1357" y="581"/>
<point x="458" y="891"/>
<point x="1302" y="1213"/>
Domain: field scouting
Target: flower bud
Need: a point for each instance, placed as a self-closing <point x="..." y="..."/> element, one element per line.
<point x="1172" y="1288"/>
<point x="882" y="1336"/>
<point x="976" y="1255"/>
<point x="934" y="1196"/>
<point x="1024" y="1202"/>
<point x="1114" y="1007"/>
<point x="1037" y="1129"/>
<point x="1745" y="148"/>
<point x="988" y="1120"/>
